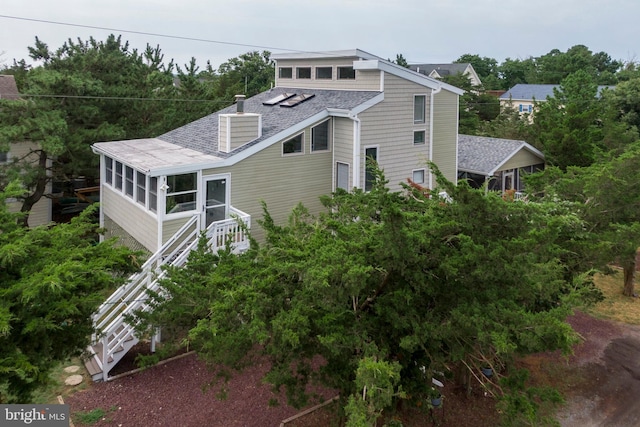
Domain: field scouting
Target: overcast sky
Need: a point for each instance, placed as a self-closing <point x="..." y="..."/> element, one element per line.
<point x="423" y="31"/>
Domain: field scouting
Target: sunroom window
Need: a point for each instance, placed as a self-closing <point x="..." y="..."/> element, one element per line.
<point x="181" y="194"/>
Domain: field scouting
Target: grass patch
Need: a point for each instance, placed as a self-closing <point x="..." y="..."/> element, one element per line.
<point x="93" y="416"/>
<point x="56" y="386"/>
<point x="615" y="306"/>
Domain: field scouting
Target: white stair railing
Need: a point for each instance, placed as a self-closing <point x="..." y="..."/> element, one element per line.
<point x="114" y="334"/>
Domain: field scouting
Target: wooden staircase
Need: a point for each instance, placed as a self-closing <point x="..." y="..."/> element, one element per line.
<point x="114" y="336"/>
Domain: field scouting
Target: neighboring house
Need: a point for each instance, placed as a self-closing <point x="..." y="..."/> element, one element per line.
<point x="41" y="212"/>
<point x="523" y="96"/>
<point x="501" y="162"/>
<point x="306" y="137"/>
<point x="438" y="71"/>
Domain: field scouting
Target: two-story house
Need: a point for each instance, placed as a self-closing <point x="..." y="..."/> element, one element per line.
<point x="306" y="137"/>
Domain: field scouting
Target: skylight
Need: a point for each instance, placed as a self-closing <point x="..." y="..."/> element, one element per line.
<point x="279" y="98"/>
<point x="292" y="102"/>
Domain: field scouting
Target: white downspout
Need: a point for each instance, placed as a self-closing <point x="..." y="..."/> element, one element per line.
<point x="431" y="100"/>
<point x="356" y="150"/>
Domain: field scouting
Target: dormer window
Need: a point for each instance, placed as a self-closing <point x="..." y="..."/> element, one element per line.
<point x="346" y="73"/>
<point x="324" y="73"/>
<point x="285" y="72"/>
<point x="303" y="72"/>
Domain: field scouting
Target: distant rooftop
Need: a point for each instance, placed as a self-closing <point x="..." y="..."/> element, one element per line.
<point x="528" y="92"/>
<point x="8" y="87"/>
<point x="442" y="69"/>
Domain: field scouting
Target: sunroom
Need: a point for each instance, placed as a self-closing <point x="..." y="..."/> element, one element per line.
<point x="151" y="190"/>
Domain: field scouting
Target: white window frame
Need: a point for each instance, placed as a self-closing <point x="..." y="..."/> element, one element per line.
<point x="377" y="159"/>
<point x="330" y="68"/>
<point x="299" y="69"/>
<point x="424" y="176"/>
<point x="108" y="170"/>
<point x="342" y="67"/>
<point x="118" y="180"/>
<point x="193" y="191"/>
<point x="324" y="150"/>
<point x="419" y="119"/>
<point x="280" y="69"/>
<point x="348" y="166"/>
<point x="140" y="188"/>
<point x="424" y="139"/>
<point x="295" y="153"/>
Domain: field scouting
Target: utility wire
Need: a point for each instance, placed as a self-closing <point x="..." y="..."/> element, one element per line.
<point x="169" y="36"/>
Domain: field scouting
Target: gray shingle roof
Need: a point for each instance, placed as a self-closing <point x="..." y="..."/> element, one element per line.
<point x="529" y="92"/>
<point x="202" y="135"/>
<point x="538" y="92"/>
<point x="484" y="155"/>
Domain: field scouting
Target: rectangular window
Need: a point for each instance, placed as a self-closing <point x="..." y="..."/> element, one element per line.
<point x="119" y="175"/>
<point x="181" y="194"/>
<point x="128" y="188"/>
<point x="303" y="72"/>
<point x="324" y="73"/>
<point x="141" y="187"/>
<point x="419" y="106"/>
<point x="108" y="170"/>
<point x="346" y="73"/>
<point x="153" y="194"/>
<point x="4" y="157"/>
<point x="419" y="137"/>
<point x="293" y="145"/>
<point x="342" y="176"/>
<point x="320" y="137"/>
<point x="371" y="158"/>
<point x="418" y="176"/>
<point x="285" y="72"/>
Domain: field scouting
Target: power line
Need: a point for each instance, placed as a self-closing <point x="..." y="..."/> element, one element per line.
<point x="144" y="33"/>
<point x="169" y="36"/>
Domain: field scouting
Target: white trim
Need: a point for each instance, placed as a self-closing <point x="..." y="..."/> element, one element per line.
<point x="364" y="153"/>
<point x="431" y="119"/>
<point x="356" y="151"/>
<point x="424" y="175"/>
<point x="202" y="193"/>
<point x="335" y="175"/>
<point x="329" y="137"/>
<point x="424" y="109"/>
<point x="419" y="144"/>
<point x="406" y="74"/>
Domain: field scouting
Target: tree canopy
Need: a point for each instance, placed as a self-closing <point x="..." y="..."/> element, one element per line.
<point x="51" y="280"/>
<point x="418" y="282"/>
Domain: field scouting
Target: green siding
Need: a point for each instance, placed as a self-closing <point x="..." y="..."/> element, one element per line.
<point x="280" y="181"/>
<point x="445" y="134"/>
<point x="389" y="126"/>
<point x="132" y="219"/>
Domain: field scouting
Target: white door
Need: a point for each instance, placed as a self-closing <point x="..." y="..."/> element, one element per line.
<point x="215" y="199"/>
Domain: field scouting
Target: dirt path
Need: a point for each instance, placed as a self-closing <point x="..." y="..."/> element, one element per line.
<point x="603" y="386"/>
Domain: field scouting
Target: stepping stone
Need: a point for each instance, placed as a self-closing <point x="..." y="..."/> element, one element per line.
<point x="72" y="369"/>
<point x="73" y="380"/>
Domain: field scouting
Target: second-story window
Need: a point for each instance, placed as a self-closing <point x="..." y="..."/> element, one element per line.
<point x="293" y="145"/>
<point x="303" y="73"/>
<point x="419" y="107"/>
<point x="324" y="73"/>
<point x="320" y="137"/>
<point x="285" y="72"/>
<point x="346" y="73"/>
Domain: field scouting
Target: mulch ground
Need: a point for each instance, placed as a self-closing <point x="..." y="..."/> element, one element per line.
<point x="601" y="382"/>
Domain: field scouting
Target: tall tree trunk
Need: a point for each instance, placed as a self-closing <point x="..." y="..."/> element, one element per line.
<point x="629" y="276"/>
<point x="38" y="192"/>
